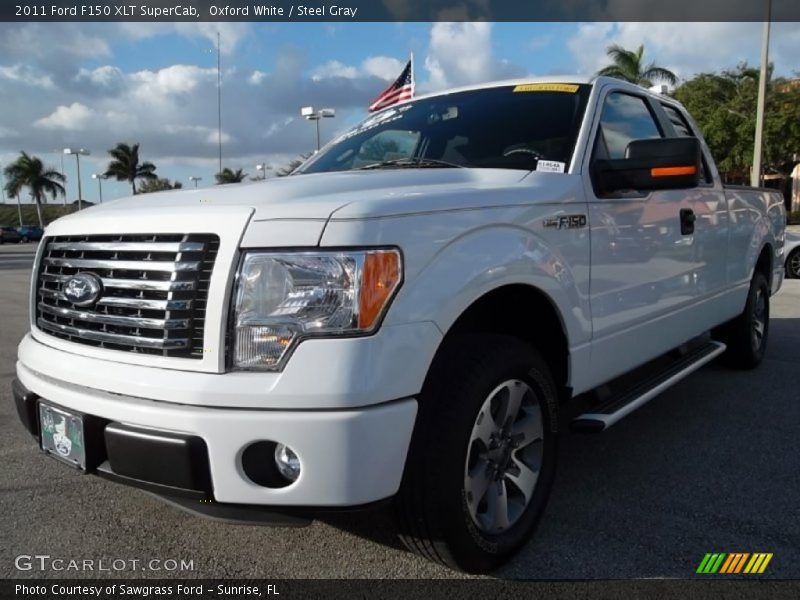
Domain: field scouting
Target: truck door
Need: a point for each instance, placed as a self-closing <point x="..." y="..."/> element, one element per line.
<point x="651" y="252"/>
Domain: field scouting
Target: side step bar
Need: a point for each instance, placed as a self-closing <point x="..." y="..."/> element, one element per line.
<point x="615" y="408"/>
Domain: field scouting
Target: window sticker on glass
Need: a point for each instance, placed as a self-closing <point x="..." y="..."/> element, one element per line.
<point x="550" y="166"/>
<point x="569" y="88"/>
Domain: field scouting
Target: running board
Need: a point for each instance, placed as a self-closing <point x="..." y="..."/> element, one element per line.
<point x="604" y="416"/>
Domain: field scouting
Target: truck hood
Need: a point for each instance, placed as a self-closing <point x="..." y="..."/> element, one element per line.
<point x="318" y="196"/>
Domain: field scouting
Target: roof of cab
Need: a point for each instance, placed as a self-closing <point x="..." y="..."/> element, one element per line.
<point x="579" y="79"/>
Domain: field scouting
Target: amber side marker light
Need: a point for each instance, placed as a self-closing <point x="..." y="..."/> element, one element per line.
<point x="672" y="171"/>
<point x="380" y="278"/>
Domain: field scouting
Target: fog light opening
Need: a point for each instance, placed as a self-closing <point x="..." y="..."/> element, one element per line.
<point x="270" y="464"/>
<point x="287" y="462"/>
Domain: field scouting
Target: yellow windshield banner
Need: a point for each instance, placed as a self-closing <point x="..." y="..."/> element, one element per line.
<point x="569" y="88"/>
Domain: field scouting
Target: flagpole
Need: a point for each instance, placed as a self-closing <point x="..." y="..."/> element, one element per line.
<point x="413" y="79"/>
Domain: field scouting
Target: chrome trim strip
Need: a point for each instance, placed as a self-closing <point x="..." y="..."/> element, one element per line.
<point x="129" y="246"/>
<point x="123" y="265"/>
<point x="146" y="304"/>
<point x="114" y="338"/>
<point x="93" y="317"/>
<point x="133" y="284"/>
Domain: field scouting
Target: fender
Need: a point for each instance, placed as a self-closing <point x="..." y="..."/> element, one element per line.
<point x="757" y="216"/>
<point x="488" y="258"/>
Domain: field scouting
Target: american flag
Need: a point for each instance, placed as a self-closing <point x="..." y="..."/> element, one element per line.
<point x="401" y="89"/>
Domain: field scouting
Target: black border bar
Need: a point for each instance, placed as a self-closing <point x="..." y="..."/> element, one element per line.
<point x="398" y="10"/>
<point x="479" y="589"/>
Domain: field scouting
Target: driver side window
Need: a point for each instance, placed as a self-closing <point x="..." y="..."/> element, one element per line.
<point x="624" y="118"/>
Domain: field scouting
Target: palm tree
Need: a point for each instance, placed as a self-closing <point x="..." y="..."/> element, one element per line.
<point x="230" y="176"/>
<point x="292" y="165"/>
<point x="629" y="66"/>
<point x="29" y="171"/>
<point x="126" y="166"/>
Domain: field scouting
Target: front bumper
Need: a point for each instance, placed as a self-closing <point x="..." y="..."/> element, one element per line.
<point x="348" y="457"/>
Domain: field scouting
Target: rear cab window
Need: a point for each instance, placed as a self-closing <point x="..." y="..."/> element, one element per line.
<point x="682" y="129"/>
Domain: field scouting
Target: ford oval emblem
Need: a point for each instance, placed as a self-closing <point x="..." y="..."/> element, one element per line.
<point x="83" y="289"/>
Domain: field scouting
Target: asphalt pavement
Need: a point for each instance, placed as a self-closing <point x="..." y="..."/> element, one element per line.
<point x="711" y="465"/>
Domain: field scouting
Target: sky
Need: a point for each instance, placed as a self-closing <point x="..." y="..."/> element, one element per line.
<point x="91" y="85"/>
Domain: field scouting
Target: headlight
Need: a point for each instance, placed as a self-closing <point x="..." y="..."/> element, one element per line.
<point x="282" y="298"/>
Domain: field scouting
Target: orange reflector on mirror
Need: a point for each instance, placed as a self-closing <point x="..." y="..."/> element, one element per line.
<point x="672" y="171"/>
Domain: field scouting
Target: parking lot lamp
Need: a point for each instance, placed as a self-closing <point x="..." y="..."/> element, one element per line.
<point x="78" y="152"/>
<point x="99" y="177"/>
<point x="310" y="114"/>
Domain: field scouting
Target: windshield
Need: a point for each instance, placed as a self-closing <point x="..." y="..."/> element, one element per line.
<point x="509" y="127"/>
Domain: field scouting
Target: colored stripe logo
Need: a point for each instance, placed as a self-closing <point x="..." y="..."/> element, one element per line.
<point x="734" y="563"/>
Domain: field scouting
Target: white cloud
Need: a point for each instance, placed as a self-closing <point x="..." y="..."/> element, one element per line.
<point x="105" y="76"/>
<point x="333" y="68"/>
<point x="160" y="87"/>
<point x="687" y="48"/>
<point x="26" y="75"/>
<point x="231" y="34"/>
<point x="213" y="138"/>
<point x="382" y="67"/>
<point x="257" y="77"/>
<point x="461" y="54"/>
<point x="73" y="117"/>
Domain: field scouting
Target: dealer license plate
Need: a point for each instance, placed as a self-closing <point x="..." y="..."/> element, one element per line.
<point x="62" y="435"/>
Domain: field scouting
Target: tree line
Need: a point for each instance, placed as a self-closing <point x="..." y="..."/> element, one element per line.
<point x="41" y="180"/>
<point x="723" y="105"/>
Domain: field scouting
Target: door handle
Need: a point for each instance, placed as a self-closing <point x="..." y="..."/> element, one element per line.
<point x="687" y="221"/>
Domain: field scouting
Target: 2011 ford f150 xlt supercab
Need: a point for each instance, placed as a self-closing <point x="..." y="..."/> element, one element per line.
<point x="412" y="315"/>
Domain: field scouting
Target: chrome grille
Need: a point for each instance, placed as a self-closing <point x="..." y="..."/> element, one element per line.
<point x="154" y="291"/>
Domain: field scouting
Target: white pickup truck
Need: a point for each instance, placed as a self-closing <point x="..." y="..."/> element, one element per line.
<point x="413" y="315"/>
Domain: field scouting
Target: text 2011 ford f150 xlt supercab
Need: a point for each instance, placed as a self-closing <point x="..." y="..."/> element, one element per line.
<point x="410" y="315"/>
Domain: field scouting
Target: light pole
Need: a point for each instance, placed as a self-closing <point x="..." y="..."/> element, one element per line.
<point x="755" y="176"/>
<point x="195" y="179"/>
<point x="77" y="152"/>
<point x="263" y="167"/>
<point x="219" y="101"/>
<point x="99" y="177"/>
<point x="2" y="185"/>
<point x="310" y="114"/>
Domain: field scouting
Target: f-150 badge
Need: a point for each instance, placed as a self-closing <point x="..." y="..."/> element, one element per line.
<point x="566" y="221"/>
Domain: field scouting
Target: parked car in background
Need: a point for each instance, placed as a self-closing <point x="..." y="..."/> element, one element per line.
<point x="9" y="235"/>
<point x="791" y="251"/>
<point x="30" y="233"/>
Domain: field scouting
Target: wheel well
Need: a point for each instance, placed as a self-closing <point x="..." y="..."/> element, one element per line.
<point x="525" y="313"/>
<point x="764" y="263"/>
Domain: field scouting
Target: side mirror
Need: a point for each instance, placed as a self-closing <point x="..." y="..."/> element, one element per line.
<point x="656" y="164"/>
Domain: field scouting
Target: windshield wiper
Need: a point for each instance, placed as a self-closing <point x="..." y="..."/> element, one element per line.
<point x="410" y="162"/>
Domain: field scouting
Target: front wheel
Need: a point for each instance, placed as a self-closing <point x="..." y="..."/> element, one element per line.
<point x="483" y="454"/>
<point x="793" y="264"/>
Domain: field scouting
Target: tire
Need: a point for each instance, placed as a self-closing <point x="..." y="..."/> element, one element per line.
<point x="25" y="240"/>
<point x="793" y="264"/>
<point x="449" y="461"/>
<point x="746" y="336"/>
